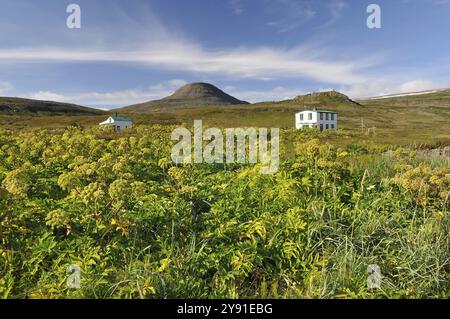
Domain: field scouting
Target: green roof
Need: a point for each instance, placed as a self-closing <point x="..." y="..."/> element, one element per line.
<point x="121" y="118"/>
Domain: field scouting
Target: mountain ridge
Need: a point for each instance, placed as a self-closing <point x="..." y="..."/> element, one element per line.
<point x="19" y="106"/>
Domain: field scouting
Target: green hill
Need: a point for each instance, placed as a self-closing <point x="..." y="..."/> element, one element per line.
<point x="399" y="120"/>
<point x="19" y="106"/>
<point x="324" y="99"/>
<point x="190" y="95"/>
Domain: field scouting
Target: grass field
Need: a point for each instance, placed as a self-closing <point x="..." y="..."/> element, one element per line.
<point x="139" y="226"/>
<point x="412" y="120"/>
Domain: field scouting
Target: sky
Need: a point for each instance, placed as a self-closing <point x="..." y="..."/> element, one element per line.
<point x="133" y="51"/>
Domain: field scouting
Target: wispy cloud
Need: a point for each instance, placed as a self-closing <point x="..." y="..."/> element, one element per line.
<point x="372" y="88"/>
<point x="149" y="43"/>
<point x="380" y="87"/>
<point x="48" y="96"/>
<point x="169" y="49"/>
<point x="255" y="63"/>
<point x="335" y="9"/>
<point x="112" y="99"/>
<point x="237" y="6"/>
<point x="277" y="93"/>
<point x="5" y="87"/>
<point x="291" y="14"/>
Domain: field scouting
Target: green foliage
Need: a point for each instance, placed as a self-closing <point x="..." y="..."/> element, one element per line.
<point x="140" y="227"/>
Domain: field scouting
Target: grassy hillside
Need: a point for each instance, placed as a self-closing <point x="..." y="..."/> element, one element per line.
<point x="401" y="120"/>
<point x="190" y="95"/>
<point x="139" y="226"/>
<point x="321" y="99"/>
<point x="14" y="106"/>
<point x="439" y="99"/>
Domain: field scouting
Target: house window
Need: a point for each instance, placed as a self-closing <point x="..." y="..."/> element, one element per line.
<point x="321" y="125"/>
<point x="326" y="116"/>
<point x="332" y="126"/>
<point x="310" y="116"/>
<point x="332" y="116"/>
<point x="327" y="127"/>
<point x="301" y="117"/>
<point x="321" y="116"/>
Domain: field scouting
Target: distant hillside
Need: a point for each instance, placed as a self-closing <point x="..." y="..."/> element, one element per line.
<point x="395" y="120"/>
<point x="324" y="99"/>
<point x="17" y="106"/>
<point x="190" y="95"/>
<point x="428" y="99"/>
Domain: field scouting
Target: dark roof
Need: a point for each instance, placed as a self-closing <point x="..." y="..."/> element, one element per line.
<point x="320" y="111"/>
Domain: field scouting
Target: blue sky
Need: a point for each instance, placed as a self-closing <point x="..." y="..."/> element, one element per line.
<point x="257" y="50"/>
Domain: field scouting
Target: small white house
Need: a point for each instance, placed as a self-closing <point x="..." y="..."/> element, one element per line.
<point x="118" y="123"/>
<point x="322" y="119"/>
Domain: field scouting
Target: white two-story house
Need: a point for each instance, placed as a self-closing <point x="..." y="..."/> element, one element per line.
<point x="322" y="119"/>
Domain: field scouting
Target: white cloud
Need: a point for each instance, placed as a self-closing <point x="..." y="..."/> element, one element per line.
<point x="48" y="96"/>
<point x="108" y="100"/>
<point x="177" y="82"/>
<point x="335" y="7"/>
<point x="417" y="86"/>
<point x="5" y="87"/>
<point x="229" y="88"/>
<point x="371" y="88"/>
<point x="170" y="50"/>
<point x="253" y="63"/>
<point x="276" y="94"/>
<point x="375" y="88"/>
<point x="292" y="14"/>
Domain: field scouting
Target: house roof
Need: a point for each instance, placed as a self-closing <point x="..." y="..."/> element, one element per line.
<point x="112" y="119"/>
<point x="121" y="118"/>
<point x="319" y="111"/>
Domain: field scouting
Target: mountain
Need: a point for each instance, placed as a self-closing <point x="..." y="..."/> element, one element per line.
<point x="324" y="99"/>
<point x="190" y="95"/>
<point x="16" y="106"/>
